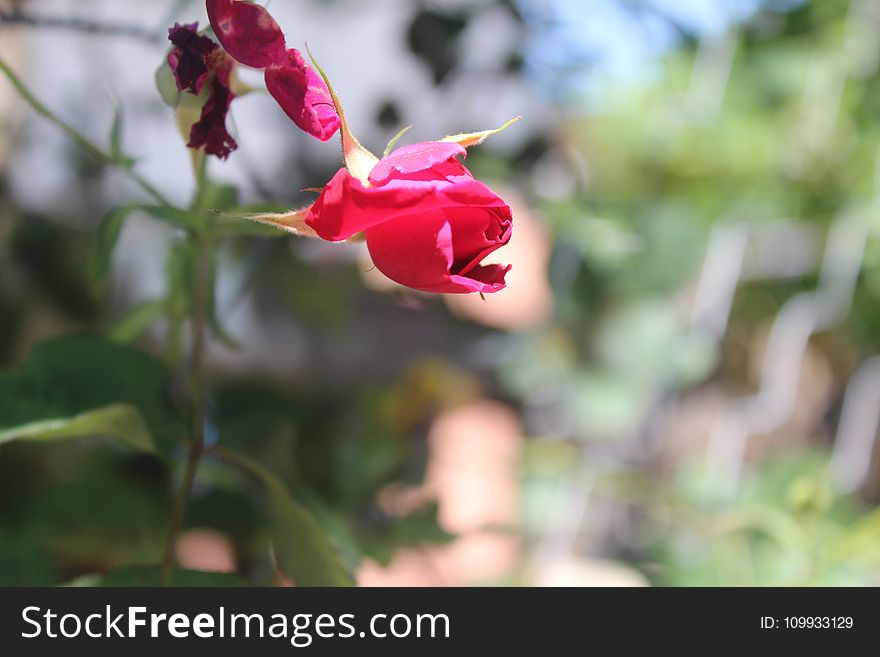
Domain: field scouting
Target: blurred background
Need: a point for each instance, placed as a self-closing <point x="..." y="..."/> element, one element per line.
<point x="679" y="385"/>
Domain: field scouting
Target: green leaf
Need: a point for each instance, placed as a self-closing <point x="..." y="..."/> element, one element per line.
<point x="174" y="216"/>
<point x="77" y="374"/>
<point x="108" y="236"/>
<point x="393" y="141"/>
<point x="55" y="260"/>
<point x="116" y="133"/>
<point x="111" y="227"/>
<point x="861" y="542"/>
<point x="25" y="557"/>
<point x="237" y="221"/>
<point x="137" y="320"/>
<point x="416" y="529"/>
<point x="293" y="222"/>
<point x="476" y="138"/>
<point x="179" y="266"/>
<point x="233" y="224"/>
<point x="217" y="327"/>
<point x="150" y="575"/>
<point x="116" y="152"/>
<point x="220" y="197"/>
<point x="166" y="86"/>
<point x="302" y="550"/>
<point x="121" y="422"/>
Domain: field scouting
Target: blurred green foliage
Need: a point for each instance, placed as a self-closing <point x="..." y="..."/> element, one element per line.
<point x="787" y="527"/>
<point x="743" y="128"/>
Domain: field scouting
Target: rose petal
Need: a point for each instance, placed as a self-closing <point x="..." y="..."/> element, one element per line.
<point x="210" y="130"/>
<point x="477" y="233"/>
<point x="303" y="96"/>
<point x="414" y="158"/>
<point x="247" y="32"/>
<point x="426" y="251"/>
<point x="346" y="207"/>
<point x="485" y="278"/>
<point x="417" y="254"/>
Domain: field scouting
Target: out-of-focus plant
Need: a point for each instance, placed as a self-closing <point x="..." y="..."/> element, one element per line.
<point x="788" y="526"/>
<point x="770" y="122"/>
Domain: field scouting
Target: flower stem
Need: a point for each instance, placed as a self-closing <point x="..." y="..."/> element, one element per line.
<point x="78" y="137"/>
<point x="201" y="291"/>
<point x="199" y="321"/>
<point x="180" y="504"/>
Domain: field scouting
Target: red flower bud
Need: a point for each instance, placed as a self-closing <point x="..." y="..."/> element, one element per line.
<point x="303" y="96"/>
<point x="247" y="32"/>
<point x="252" y="37"/>
<point x="428" y="223"/>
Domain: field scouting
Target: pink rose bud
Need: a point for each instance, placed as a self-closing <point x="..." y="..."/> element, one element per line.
<point x="247" y="32"/>
<point x="252" y="37"/>
<point x="303" y="96"/>
<point x="428" y="223"/>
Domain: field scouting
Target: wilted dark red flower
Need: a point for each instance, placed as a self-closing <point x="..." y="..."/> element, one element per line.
<point x="250" y="35"/>
<point x="210" y="130"/>
<point x="194" y="60"/>
<point x="187" y="58"/>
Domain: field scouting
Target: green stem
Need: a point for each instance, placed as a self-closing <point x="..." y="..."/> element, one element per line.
<point x="77" y="136"/>
<point x="201" y="293"/>
<point x="248" y="466"/>
<point x="199" y="322"/>
<point x="201" y="296"/>
<point x="180" y="504"/>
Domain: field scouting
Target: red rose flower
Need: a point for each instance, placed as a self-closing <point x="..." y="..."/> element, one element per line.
<point x="428" y="223"/>
<point x="252" y="37"/>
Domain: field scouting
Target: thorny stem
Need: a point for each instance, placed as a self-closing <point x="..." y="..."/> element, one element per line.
<point x="77" y="136"/>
